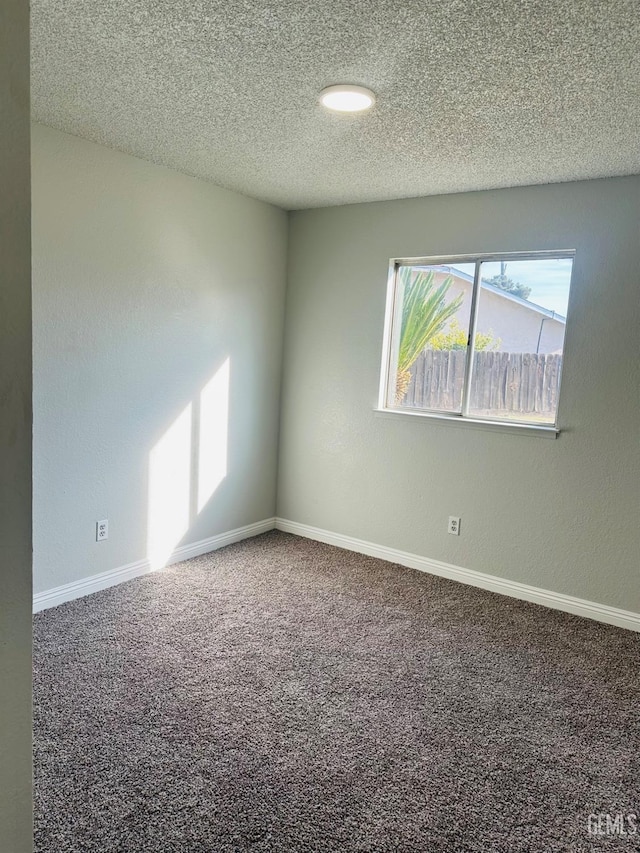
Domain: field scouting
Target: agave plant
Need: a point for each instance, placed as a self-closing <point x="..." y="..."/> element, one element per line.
<point x="425" y="312"/>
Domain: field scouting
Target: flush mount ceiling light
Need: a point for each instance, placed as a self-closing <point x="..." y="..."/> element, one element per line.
<point x="347" y="99"/>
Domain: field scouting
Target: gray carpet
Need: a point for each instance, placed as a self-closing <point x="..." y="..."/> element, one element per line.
<point x="283" y="695"/>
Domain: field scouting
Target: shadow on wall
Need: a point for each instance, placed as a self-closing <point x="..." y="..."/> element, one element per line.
<point x="186" y="466"/>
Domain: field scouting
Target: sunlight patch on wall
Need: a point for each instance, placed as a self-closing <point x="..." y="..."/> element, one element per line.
<point x="169" y="490"/>
<point x="213" y="435"/>
<point x="186" y="467"/>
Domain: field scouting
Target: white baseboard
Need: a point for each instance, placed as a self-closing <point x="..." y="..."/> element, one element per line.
<point x="557" y="601"/>
<point x="77" y="589"/>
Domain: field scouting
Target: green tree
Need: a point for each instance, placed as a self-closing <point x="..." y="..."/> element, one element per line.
<point x="425" y="312"/>
<point x="455" y="337"/>
<point x="507" y="284"/>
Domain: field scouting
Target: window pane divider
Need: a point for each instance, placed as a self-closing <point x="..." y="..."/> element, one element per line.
<point x="473" y="316"/>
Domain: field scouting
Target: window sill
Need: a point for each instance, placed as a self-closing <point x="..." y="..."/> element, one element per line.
<point x="472" y="423"/>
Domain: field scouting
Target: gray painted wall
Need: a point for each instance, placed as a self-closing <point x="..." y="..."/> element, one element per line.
<point x="15" y="432"/>
<point x="145" y="282"/>
<point x="561" y="514"/>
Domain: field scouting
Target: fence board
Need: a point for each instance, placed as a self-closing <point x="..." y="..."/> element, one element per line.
<point x="525" y="383"/>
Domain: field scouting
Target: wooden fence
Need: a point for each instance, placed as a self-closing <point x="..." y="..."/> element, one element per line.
<point x="502" y="381"/>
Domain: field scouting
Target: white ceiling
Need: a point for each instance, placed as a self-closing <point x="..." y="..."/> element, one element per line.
<point x="471" y="94"/>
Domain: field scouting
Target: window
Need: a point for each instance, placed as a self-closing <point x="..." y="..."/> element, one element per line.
<point x="477" y="338"/>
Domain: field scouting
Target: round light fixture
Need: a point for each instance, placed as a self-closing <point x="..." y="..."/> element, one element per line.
<point x="347" y="99"/>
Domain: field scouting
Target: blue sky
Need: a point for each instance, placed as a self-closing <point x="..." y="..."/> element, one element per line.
<point x="548" y="279"/>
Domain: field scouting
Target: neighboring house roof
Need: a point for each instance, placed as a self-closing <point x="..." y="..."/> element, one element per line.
<point x="503" y="293"/>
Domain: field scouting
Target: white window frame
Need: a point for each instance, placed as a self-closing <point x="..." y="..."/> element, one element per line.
<point x="392" y="331"/>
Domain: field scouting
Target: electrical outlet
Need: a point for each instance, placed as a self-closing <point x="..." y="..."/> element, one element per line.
<point x="454" y="525"/>
<point x="102" y="530"/>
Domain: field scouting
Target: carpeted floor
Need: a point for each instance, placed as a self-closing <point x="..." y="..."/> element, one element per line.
<point x="282" y="695"/>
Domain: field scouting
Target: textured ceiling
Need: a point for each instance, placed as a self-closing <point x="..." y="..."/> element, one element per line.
<point x="471" y="94"/>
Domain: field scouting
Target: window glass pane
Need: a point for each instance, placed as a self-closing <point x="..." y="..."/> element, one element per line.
<point x="431" y="328"/>
<point x="521" y="317"/>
